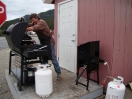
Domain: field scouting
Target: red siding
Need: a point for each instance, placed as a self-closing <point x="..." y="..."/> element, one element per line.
<point x="130" y="48"/>
<point x="116" y="39"/>
<point x="122" y="37"/>
<point x="122" y="48"/>
<point x="96" y="20"/>
<point x="109" y="21"/>
<point x="56" y="21"/>
<point x="127" y="56"/>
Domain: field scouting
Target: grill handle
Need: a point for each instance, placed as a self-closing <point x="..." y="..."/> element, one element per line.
<point x="42" y="47"/>
<point x="5" y="32"/>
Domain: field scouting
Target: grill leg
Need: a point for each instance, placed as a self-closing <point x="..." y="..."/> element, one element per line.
<point x="77" y="74"/>
<point x="88" y="76"/>
<point x="20" y="83"/>
<point x="97" y="76"/>
<point x="10" y="58"/>
<point x="80" y="75"/>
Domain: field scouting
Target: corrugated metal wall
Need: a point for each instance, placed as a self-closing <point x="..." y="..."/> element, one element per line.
<point x="109" y="21"/>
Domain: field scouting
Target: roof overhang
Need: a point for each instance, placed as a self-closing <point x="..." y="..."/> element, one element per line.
<point x="48" y="1"/>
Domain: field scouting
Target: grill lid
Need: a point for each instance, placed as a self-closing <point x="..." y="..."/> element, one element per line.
<point x="15" y="34"/>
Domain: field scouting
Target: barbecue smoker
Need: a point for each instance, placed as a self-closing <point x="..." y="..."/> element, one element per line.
<point x="28" y="54"/>
<point x="88" y="60"/>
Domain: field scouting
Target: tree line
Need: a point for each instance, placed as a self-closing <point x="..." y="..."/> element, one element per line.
<point x="48" y="16"/>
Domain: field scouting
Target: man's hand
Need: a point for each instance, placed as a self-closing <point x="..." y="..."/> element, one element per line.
<point x="30" y="29"/>
<point x="51" y="32"/>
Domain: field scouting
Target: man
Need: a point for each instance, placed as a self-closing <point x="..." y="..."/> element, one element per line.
<point x="45" y="37"/>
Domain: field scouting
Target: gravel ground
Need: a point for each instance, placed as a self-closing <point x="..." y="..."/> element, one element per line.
<point x="4" y="61"/>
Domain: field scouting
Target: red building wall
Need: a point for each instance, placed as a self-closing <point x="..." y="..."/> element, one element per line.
<point x="110" y="22"/>
<point x="56" y="21"/>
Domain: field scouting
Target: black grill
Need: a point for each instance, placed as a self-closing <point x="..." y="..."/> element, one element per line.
<point x="29" y="53"/>
<point x="88" y="60"/>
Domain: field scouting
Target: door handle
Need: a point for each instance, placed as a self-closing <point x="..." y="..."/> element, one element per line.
<point x="73" y="40"/>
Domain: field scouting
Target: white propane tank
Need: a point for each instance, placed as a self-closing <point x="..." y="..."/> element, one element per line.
<point x="43" y="81"/>
<point x="116" y="89"/>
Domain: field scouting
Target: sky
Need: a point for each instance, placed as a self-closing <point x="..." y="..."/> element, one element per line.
<point x="19" y="8"/>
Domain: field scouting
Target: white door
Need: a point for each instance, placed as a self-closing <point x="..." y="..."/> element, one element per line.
<point x="67" y="34"/>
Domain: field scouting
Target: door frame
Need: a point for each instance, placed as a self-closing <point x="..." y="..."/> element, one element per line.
<point x="76" y="29"/>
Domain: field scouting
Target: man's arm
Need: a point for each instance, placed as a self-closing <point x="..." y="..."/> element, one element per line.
<point x="30" y="29"/>
<point x="41" y="26"/>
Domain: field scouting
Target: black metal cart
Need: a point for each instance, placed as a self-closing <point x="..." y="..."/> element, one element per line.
<point x="28" y="54"/>
<point x="88" y="60"/>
